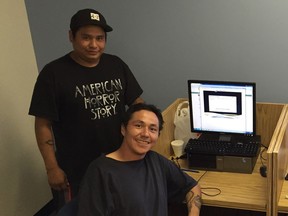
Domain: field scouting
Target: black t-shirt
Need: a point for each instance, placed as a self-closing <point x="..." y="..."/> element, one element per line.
<point x="143" y="187"/>
<point x="85" y="106"/>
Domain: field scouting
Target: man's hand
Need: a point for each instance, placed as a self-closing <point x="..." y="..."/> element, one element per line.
<point x="57" y="179"/>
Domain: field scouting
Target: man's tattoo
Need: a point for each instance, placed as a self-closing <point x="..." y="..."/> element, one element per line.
<point x="198" y="201"/>
<point x="50" y="142"/>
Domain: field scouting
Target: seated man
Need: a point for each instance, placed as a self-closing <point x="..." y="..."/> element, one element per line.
<point x="134" y="180"/>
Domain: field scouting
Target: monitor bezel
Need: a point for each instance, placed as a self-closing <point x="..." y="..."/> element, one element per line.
<point x="240" y="83"/>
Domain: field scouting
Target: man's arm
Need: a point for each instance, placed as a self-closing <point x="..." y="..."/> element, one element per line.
<point x="194" y="201"/>
<point x="44" y="135"/>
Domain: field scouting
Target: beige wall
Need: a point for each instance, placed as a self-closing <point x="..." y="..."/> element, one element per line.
<point x="23" y="184"/>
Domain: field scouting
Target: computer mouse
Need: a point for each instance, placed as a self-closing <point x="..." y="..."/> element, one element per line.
<point x="263" y="171"/>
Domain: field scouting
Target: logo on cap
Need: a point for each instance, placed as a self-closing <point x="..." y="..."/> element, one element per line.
<point x="94" y="16"/>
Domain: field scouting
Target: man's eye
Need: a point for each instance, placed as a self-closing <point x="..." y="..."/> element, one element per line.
<point x="154" y="129"/>
<point x="100" y="38"/>
<point x="138" y="125"/>
<point x="85" y="38"/>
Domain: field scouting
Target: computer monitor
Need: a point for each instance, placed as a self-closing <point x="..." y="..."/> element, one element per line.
<point x="223" y="108"/>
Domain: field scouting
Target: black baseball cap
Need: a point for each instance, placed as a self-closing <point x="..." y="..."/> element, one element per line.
<point x="89" y="17"/>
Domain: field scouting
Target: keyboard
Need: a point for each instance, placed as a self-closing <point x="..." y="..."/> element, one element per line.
<point x="228" y="148"/>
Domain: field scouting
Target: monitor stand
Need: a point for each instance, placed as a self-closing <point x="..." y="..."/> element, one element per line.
<point x="225" y="137"/>
<point x="216" y="136"/>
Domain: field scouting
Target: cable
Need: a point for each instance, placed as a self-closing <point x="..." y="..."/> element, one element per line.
<point x="201" y="176"/>
<point x="218" y="191"/>
<point x="261" y="155"/>
<point x="211" y="188"/>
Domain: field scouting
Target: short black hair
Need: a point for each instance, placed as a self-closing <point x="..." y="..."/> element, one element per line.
<point x="142" y="106"/>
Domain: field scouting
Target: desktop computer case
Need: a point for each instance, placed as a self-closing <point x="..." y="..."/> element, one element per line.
<point x="221" y="163"/>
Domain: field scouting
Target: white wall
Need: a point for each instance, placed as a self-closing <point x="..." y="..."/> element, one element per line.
<point x="23" y="185"/>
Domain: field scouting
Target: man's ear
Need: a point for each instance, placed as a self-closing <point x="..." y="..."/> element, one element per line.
<point x="71" y="38"/>
<point x="123" y="130"/>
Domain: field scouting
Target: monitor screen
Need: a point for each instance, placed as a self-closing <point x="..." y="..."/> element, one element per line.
<point x="222" y="107"/>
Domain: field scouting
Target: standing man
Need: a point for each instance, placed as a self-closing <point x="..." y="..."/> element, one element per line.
<point x="78" y="102"/>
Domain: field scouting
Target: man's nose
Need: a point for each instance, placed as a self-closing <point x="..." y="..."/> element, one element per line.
<point x="93" y="43"/>
<point x="145" y="131"/>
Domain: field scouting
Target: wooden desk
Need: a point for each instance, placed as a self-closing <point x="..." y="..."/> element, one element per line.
<point x="283" y="201"/>
<point x="240" y="191"/>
